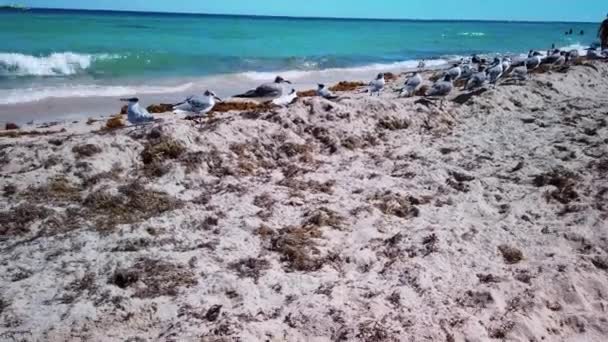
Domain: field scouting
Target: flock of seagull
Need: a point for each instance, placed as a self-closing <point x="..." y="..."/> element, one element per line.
<point x="474" y="72"/>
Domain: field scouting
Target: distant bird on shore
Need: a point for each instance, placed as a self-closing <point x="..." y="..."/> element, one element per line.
<point x="267" y="90"/>
<point x="137" y="115"/>
<point x="377" y="85"/>
<point x="495" y="71"/>
<point x="477" y="80"/>
<point x="411" y="85"/>
<point x="198" y="105"/>
<point x="286" y="99"/>
<point x="325" y="93"/>
<point x="441" y="88"/>
<point x="475" y="59"/>
<point x="421" y="64"/>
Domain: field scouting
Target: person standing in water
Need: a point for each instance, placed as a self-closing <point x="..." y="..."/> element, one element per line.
<point x="603" y="33"/>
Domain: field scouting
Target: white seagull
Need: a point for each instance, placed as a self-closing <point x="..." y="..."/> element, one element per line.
<point x="455" y="72"/>
<point x="136" y="114"/>
<point x="534" y="60"/>
<point x="377" y="85"/>
<point x="495" y="71"/>
<point x="441" y="88"/>
<point x="411" y="85"/>
<point x="520" y="73"/>
<point x="506" y="64"/>
<point x="467" y="72"/>
<point x="198" y="105"/>
<point x="324" y="92"/>
<point x="477" y="80"/>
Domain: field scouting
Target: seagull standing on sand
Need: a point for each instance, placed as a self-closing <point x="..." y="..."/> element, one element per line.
<point x="572" y="56"/>
<point x="136" y="114"/>
<point x="506" y="64"/>
<point x="286" y="99"/>
<point x="520" y="73"/>
<point x="533" y="60"/>
<point x="467" y="72"/>
<point x="377" y="85"/>
<point x="495" y="71"/>
<point x="411" y="85"/>
<point x="267" y="90"/>
<point x="552" y="57"/>
<point x="441" y="88"/>
<point x="477" y="79"/>
<point x="325" y="93"/>
<point x="455" y="72"/>
<point x="198" y="105"/>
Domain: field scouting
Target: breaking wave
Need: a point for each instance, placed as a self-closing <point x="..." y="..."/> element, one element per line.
<point x="55" y="64"/>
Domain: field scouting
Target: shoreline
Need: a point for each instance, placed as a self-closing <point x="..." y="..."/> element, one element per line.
<point x="362" y="219"/>
<point x="65" y="107"/>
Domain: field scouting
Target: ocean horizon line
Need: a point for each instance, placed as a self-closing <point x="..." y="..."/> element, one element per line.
<point x="279" y="17"/>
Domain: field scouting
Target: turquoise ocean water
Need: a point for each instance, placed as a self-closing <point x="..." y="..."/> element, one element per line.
<point x="49" y="54"/>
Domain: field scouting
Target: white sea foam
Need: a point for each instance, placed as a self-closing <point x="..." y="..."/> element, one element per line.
<point x="472" y="34"/>
<point x="55" y="64"/>
<point x="16" y="96"/>
<point x="370" y="68"/>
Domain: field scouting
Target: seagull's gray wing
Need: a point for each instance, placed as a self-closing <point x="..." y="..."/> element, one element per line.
<point x="199" y="105"/>
<point x="440" y="89"/>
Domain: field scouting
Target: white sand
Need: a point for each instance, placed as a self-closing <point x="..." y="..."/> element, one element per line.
<point x="396" y="238"/>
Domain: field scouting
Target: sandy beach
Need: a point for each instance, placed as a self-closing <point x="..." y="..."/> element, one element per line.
<point x="480" y="217"/>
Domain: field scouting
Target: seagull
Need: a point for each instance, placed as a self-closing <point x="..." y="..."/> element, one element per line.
<point x="477" y="79"/>
<point x="520" y="73"/>
<point x="325" y="93"/>
<point x="475" y="59"/>
<point x="286" y="100"/>
<point x="572" y="55"/>
<point x="506" y="64"/>
<point x="467" y="72"/>
<point x="455" y="72"/>
<point x="136" y="114"/>
<point x="495" y="71"/>
<point x="561" y="60"/>
<point x="199" y="105"/>
<point x="411" y="85"/>
<point x="552" y="57"/>
<point x="267" y="90"/>
<point x="441" y="88"/>
<point x="533" y="60"/>
<point x="377" y="85"/>
<point x="421" y="64"/>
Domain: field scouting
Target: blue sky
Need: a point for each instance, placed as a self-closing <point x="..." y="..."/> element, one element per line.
<point x="540" y="10"/>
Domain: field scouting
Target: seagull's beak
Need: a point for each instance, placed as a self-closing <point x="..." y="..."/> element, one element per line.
<point x="286" y="81"/>
<point x="217" y="98"/>
<point x="124" y="100"/>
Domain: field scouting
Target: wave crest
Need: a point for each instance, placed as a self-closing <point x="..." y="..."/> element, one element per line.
<point x="55" y="64"/>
